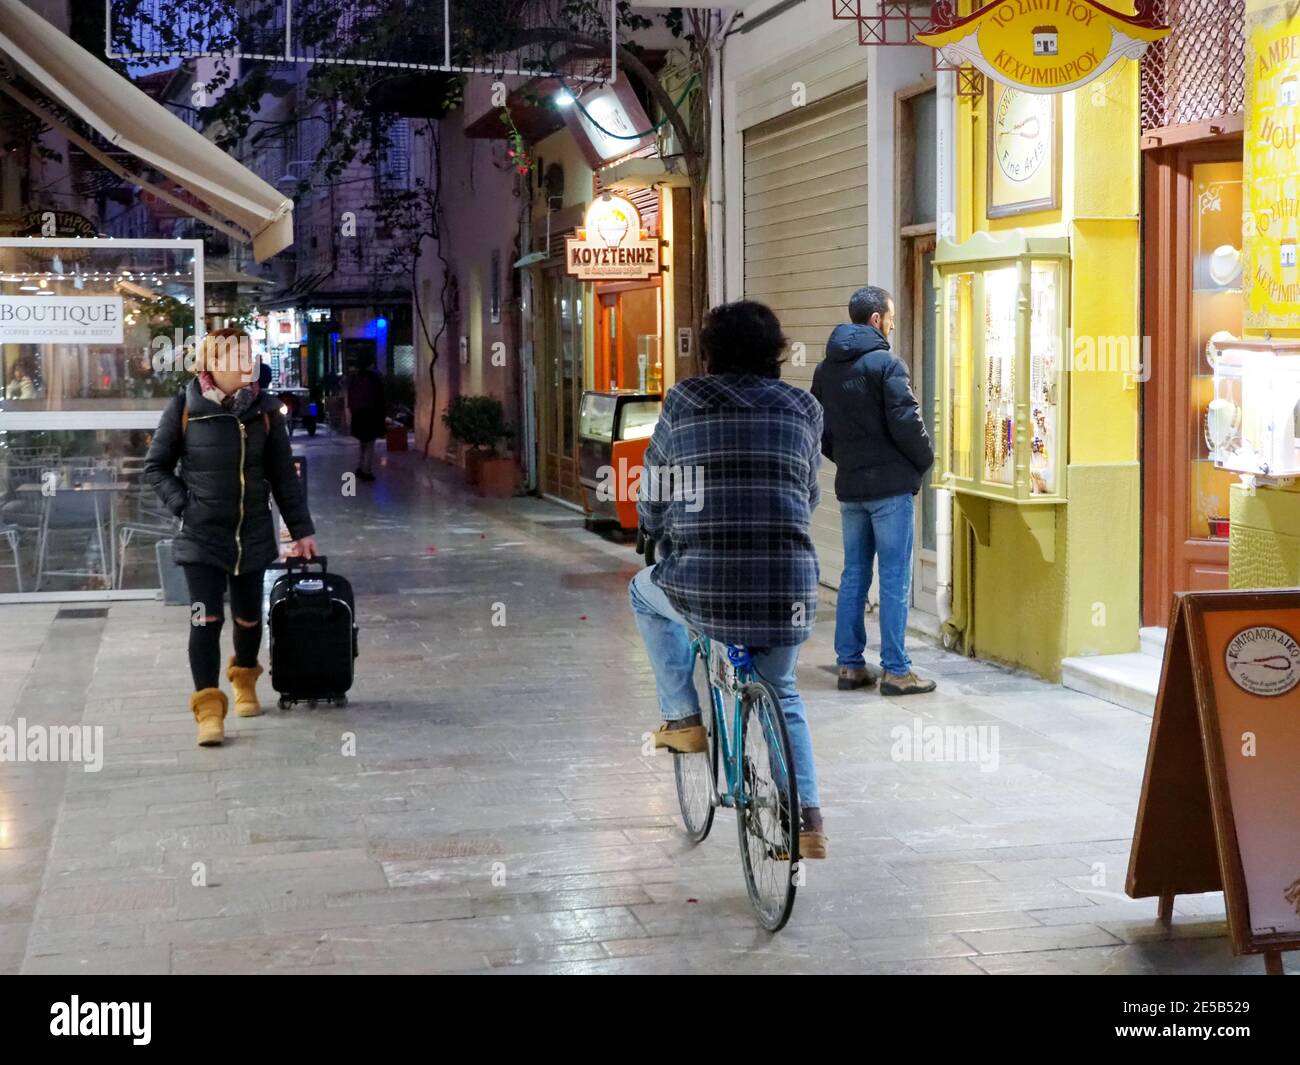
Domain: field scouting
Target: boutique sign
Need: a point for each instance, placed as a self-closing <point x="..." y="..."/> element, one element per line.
<point x="611" y="245"/>
<point x="60" y="319"/>
<point x="1044" y="46"/>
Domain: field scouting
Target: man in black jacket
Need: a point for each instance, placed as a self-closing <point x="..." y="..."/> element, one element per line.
<point x="874" y="434"/>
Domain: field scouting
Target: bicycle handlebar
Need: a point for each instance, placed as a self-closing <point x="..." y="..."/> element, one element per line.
<point x="645" y="545"/>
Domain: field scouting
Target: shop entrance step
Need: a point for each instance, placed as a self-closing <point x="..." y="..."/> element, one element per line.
<point x="1153" y="641"/>
<point x="1129" y="680"/>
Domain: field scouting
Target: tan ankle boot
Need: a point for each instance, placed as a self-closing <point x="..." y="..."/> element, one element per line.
<point x="209" y="707"/>
<point x="244" y="680"/>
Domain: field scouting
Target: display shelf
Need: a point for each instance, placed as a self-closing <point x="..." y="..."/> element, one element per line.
<point x="1002" y="410"/>
<point x="1252" y="424"/>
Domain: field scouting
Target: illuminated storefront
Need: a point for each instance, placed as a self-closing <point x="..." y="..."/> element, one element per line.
<point x="608" y="289"/>
<point x="96" y="336"/>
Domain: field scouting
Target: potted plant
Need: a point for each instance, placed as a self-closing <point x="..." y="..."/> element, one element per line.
<point x="478" y="422"/>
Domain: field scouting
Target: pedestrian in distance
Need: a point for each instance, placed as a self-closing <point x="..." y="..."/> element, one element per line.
<point x="876" y="438"/>
<point x="367" y="412"/>
<point x="229" y="438"/>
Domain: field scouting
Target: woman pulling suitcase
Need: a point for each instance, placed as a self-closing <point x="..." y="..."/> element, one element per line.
<point x="231" y="442"/>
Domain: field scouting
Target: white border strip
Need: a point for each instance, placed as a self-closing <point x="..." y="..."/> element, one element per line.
<point x="91" y="595"/>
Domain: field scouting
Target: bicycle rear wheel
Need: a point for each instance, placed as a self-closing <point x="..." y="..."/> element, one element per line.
<point x="768" y="818"/>
<point x="697" y="774"/>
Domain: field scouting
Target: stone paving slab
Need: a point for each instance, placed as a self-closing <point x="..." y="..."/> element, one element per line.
<point x="483" y="803"/>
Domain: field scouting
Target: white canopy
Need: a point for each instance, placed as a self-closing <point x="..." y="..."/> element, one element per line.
<point x="138" y="124"/>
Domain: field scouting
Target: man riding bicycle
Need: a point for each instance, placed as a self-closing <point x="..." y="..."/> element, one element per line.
<point x="736" y="560"/>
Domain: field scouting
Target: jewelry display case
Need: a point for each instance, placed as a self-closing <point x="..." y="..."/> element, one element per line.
<point x="1002" y="410"/>
<point x="1252" y="423"/>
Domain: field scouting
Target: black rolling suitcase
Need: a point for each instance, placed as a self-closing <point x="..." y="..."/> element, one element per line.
<point x="312" y="622"/>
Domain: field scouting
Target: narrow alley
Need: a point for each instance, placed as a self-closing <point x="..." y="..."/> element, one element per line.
<point x="487" y="801"/>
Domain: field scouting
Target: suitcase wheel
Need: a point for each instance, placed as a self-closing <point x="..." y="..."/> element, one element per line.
<point x="341" y="700"/>
<point x="284" y="703"/>
<point x="311" y="704"/>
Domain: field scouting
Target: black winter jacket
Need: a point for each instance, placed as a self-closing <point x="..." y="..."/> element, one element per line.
<point x="224" y="504"/>
<point x="873" y="430"/>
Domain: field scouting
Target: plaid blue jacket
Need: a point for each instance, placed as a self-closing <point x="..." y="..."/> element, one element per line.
<point x="728" y="491"/>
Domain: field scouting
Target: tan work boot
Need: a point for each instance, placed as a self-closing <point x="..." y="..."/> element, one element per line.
<point x="683" y="739"/>
<point x="244" y="680"/>
<point x="209" y="707"/>
<point x="812" y="834"/>
<point x="852" y="677"/>
<point x="905" y="684"/>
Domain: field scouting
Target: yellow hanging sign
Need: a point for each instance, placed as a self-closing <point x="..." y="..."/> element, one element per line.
<point x="1044" y="46"/>
<point x="1271" y="169"/>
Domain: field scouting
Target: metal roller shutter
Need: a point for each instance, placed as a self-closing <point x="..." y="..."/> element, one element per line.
<point x="806" y="244"/>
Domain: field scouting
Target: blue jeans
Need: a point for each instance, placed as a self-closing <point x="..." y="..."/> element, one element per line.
<point x="880" y="527"/>
<point x="669" y="645"/>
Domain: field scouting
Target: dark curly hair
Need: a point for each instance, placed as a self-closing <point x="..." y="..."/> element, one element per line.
<point x="742" y="338"/>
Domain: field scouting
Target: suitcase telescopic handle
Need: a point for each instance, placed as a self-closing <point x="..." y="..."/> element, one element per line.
<point x="293" y="563"/>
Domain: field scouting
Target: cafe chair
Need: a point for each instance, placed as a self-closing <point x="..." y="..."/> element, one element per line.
<point x="149" y="520"/>
<point x="82" y="518"/>
<point x="13" y="534"/>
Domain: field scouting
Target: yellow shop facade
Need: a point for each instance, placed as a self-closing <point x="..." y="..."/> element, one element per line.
<point x="1257" y="380"/>
<point x="1039" y="327"/>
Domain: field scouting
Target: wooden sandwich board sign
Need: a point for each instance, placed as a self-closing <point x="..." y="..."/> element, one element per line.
<point x="1220" y="804"/>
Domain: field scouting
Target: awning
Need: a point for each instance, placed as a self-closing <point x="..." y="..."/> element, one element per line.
<point x="138" y="124"/>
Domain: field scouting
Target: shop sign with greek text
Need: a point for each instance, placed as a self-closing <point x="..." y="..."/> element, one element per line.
<point x="1044" y="46"/>
<point x="1271" y="168"/>
<point x="612" y="246"/>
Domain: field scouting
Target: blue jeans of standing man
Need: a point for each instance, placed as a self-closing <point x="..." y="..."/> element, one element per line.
<point x="876" y="528"/>
<point x="669" y="645"/>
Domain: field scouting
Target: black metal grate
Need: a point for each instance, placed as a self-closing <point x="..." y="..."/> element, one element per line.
<point x="73" y="613"/>
<point x="1198" y="72"/>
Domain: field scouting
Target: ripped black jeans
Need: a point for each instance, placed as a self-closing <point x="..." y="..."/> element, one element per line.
<point x="207" y="585"/>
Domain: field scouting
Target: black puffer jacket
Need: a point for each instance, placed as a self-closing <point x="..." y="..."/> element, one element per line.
<point x="873" y="430"/>
<point x="225" y="506"/>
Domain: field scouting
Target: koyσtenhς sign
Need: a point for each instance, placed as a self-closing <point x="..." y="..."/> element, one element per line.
<point x="612" y="246"/>
<point x="1044" y="45"/>
<point x="60" y="319"/>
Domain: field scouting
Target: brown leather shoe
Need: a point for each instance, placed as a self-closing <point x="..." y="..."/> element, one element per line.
<point x="812" y="844"/>
<point x="851" y="678"/>
<point x="688" y="739"/>
<point x="905" y="684"/>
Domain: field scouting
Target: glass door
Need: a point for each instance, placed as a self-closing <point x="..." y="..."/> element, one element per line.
<point x="925" y="381"/>
<point x="560" y="386"/>
<point x="1193" y="291"/>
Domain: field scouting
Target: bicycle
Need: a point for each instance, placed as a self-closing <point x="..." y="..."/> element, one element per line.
<point x="758" y="777"/>
<point x="758" y="772"/>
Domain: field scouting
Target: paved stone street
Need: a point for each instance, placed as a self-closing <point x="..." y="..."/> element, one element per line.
<point x="499" y="814"/>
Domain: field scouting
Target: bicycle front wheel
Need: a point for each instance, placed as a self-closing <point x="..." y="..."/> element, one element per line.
<point x="768" y="816"/>
<point x="697" y="774"/>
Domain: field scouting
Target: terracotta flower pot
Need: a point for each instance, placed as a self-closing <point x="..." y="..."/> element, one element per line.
<point x="473" y="464"/>
<point x="497" y="477"/>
